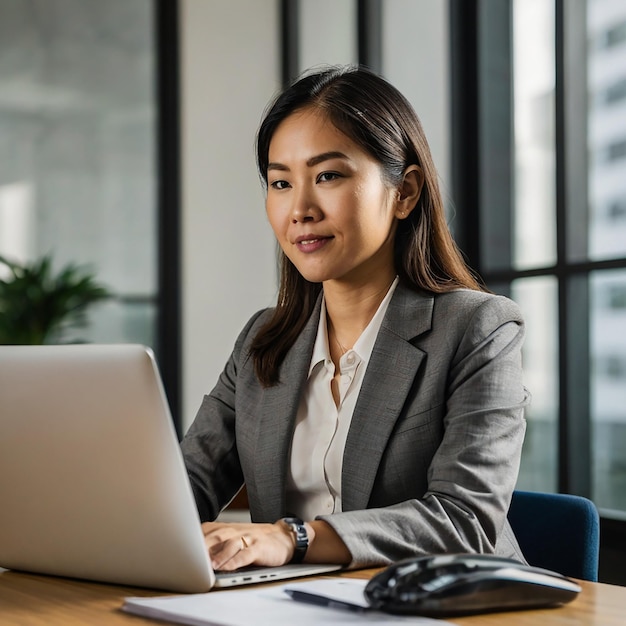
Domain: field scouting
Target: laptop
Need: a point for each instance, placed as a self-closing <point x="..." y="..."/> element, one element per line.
<point x="92" y="480"/>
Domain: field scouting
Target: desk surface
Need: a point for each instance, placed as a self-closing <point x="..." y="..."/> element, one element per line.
<point x="29" y="600"/>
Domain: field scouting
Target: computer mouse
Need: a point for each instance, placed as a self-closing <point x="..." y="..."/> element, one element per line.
<point x="463" y="584"/>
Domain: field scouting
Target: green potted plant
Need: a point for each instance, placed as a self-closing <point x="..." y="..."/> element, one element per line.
<point x="37" y="305"/>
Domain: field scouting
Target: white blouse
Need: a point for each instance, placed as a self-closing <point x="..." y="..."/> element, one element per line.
<point x="314" y="474"/>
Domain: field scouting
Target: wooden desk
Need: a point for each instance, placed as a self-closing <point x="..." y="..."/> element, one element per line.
<point x="29" y="600"/>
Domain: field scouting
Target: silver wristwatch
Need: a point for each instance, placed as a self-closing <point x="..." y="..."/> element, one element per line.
<point x="302" y="538"/>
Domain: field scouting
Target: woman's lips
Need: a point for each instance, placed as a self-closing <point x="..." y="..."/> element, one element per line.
<point x="311" y="243"/>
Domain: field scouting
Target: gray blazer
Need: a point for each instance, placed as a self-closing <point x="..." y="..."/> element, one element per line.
<point x="433" y="450"/>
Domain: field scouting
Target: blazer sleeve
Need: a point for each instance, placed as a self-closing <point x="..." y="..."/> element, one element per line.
<point x="209" y="447"/>
<point x="473" y="471"/>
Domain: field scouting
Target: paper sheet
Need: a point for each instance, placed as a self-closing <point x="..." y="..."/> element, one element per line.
<point x="264" y="605"/>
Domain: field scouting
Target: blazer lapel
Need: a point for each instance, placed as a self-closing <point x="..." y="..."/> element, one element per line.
<point x="277" y="420"/>
<point x="390" y="374"/>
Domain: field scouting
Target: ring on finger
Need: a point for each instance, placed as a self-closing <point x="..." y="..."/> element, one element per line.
<point x="244" y="543"/>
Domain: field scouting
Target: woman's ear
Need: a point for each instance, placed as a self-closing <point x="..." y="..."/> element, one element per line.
<point x="409" y="191"/>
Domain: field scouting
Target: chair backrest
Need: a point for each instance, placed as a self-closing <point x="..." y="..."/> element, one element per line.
<point x="558" y="532"/>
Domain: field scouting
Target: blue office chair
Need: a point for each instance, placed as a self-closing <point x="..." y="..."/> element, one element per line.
<point x="558" y="532"/>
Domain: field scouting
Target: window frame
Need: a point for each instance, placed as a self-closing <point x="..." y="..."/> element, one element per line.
<point x="168" y="163"/>
<point x="475" y="87"/>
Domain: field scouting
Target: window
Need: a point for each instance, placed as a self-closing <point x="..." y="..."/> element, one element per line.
<point x="83" y="147"/>
<point x="546" y="204"/>
<point x="78" y="172"/>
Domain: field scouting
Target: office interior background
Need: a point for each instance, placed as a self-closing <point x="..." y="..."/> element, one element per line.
<point x="127" y="130"/>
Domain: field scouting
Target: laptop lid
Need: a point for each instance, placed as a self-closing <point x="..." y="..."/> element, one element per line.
<point x="92" y="478"/>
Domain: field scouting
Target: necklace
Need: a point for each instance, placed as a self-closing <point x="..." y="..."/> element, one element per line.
<point x="341" y="346"/>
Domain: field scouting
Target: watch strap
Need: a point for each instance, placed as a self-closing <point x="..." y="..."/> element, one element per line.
<point x="301" y="537"/>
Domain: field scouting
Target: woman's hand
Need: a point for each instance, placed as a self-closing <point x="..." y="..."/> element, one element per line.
<point x="236" y="545"/>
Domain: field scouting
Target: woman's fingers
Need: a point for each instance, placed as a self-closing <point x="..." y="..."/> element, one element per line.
<point x="228" y="555"/>
<point x="232" y="546"/>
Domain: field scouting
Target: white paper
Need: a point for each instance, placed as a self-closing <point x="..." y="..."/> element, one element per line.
<point x="264" y="605"/>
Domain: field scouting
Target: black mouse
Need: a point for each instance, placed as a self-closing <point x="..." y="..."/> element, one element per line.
<point x="463" y="584"/>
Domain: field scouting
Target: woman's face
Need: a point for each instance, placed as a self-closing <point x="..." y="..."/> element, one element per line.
<point x="330" y="209"/>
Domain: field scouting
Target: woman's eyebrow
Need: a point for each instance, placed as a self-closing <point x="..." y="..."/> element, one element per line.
<point x="325" y="156"/>
<point x="314" y="160"/>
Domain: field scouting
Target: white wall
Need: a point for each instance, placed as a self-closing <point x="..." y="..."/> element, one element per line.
<point x="230" y="70"/>
<point x="325" y="41"/>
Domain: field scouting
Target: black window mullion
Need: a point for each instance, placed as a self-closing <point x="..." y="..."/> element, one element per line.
<point x="290" y="40"/>
<point x="369" y="34"/>
<point x="465" y="222"/>
<point x="496" y="135"/>
<point x="573" y="288"/>
<point x="482" y="123"/>
<point x="168" y="170"/>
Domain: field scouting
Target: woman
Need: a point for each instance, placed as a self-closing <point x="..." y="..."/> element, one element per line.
<point x="381" y="399"/>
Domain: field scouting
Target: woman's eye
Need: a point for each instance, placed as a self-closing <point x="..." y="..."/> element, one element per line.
<point x="279" y="184"/>
<point x="326" y="177"/>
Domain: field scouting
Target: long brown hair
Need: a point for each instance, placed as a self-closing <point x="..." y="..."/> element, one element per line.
<point x="378" y="118"/>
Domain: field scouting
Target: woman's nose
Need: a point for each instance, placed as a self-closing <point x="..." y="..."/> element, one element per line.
<point x="305" y="208"/>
